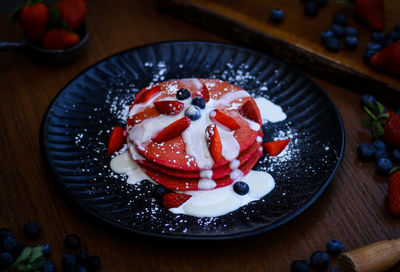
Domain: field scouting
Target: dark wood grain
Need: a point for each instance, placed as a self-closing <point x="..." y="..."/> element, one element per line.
<point x="353" y="209"/>
<point x="297" y="39"/>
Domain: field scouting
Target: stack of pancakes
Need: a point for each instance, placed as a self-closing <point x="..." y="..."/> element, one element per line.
<point x="184" y="163"/>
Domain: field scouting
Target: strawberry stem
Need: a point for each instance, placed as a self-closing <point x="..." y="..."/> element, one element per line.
<point x="394" y="169"/>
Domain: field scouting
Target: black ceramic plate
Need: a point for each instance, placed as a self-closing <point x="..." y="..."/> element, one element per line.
<point x="76" y="126"/>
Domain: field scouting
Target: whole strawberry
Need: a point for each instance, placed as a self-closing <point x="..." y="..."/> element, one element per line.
<point x="68" y="14"/>
<point x="32" y="16"/>
<point x="391" y="129"/>
<point x="58" y="38"/>
<point x="388" y="59"/>
<point x="370" y="12"/>
<point x="394" y="192"/>
<point x="383" y="124"/>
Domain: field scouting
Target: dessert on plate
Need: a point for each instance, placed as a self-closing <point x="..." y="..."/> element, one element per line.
<point x="199" y="139"/>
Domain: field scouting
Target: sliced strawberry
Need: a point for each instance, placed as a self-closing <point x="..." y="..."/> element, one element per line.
<point x="203" y="93"/>
<point x="173" y="130"/>
<point x="169" y="107"/>
<point x="116" y="140"/>
<point x="173" y="200"/>
<point x="146" y="94"/>
<point x="388" y="59"/>
<point x="223" y="119"/>
<point x="248" y="111"/>
<point x="275" y="147"/>
<point x="214" y="143"/>
<point x="394" y="193"/>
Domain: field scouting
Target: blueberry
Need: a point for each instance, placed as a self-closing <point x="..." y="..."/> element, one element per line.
<point x="182" y="94"/>
<point x="334" y="247"/>
<point x="397" y="111"/>
<point x="351" y="42"/>
<point x="6" y="260"/>
<point x="338" y="30"/>
<point x="159" y="191"/>
<point x="8" y="244"/>
<point x="311" y="9"/>
<point x="380" y="153"/>
<point x="322" y="3"/>
<point x="32" y="230"/>
<point x="365" y="151"/>
<point x="383" y="166"/>
<point x="48" y="266"/>
<point x="378" y="144"/>
<point x="374" y="46"/>
<point x="46" y="249"/>
<point x="199" y="102"/>
<point x="340" y="19"/>
<point x="377" y="37"/>
<point x="68" y="261"/>
<point x="93" y="263"/>
<point x="326" y="35"/>
<point x="319" y="260"/>
<point x="276" y="16"/>
<point x="350" y="31"/>
<point x="396" y="155"/>
<point x="72" y="241"/>
<point x="193" y="113"/>
<point x="241" y="188"/>
<point x="333" y="44"/>
<point x="299" y="266"/>
<point x="81" y="257"/>
<point x="4" y="232"/>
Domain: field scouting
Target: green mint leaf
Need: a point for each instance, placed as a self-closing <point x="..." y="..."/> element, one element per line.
<point x="381" y="108"/>
<point x="37" y="252"/>
<point x="394" y="169"/>
<point x="25" y="254"/>
<point x="38" y="263"/>
<point x="371" y="114"/>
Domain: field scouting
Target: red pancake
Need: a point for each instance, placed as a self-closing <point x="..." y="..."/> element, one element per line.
<point x="182" y="184"/>
<point x="218" y="172"/>
<point x="171" y="154"/>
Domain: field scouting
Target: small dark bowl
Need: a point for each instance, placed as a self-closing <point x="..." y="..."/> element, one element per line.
<point x="58" y="56"/>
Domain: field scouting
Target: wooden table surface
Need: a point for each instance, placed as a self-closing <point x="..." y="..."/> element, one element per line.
<point x="353" y="209"/>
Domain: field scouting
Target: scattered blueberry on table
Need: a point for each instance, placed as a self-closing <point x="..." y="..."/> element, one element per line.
<point x="350" y="31"/>
<point x="338" y="30"/>
<point x="351" y="42"/>
<point x="333" y="44"/>
<point x="340" y="19"/>
<point x="367" y="100"/>
<point x="325" y="35"/>
<point x="311" y="9"/>
<point x="299" y="266"/>
<point x="365" y="151"/>
<point x="383" y="166"/>
<point x="380" y="153"/>
<point x="334" y="247"/>
<point x="319" y="260"/>
<point x="276" y="16"/>
<point x="396" y="155"/>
